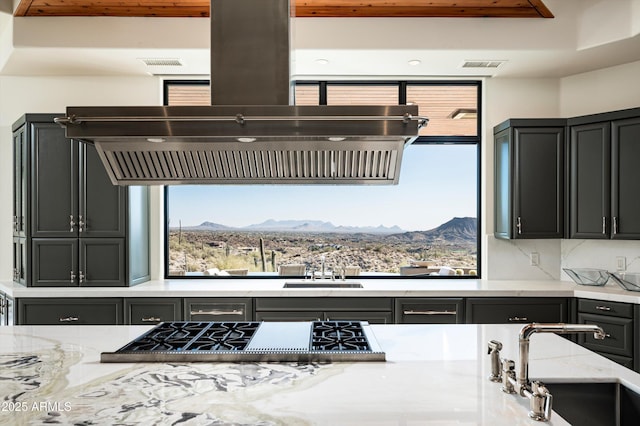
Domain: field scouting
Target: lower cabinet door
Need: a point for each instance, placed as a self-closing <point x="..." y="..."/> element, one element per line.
<point x="516" y="310"/>
<point x="148" y="311"/>
<point x="71" y="311"/>
<point x="102" y="262"/>
<point x="218" y="309"/>
<point x="619" y="332"/>
<point x="54" y="262"/>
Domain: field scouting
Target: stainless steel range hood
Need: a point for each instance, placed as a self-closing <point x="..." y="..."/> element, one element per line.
<point x="251" y="135"/>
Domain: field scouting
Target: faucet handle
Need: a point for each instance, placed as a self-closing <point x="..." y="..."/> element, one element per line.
<point x="508" y="376"/>
<point x="540" y="402"/>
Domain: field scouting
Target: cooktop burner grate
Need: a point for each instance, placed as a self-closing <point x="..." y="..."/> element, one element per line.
<point x="195" y="336"/>
<point x="339" y="336"/>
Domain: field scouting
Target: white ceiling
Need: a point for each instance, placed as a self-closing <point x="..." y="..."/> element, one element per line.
<point x="584" y="35"/>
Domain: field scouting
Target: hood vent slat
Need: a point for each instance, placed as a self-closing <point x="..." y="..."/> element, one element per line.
<point x="286" y="166"/>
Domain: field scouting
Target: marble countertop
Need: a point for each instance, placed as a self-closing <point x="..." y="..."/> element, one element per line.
<point x="371" y="288"/>
<point x="434" y="374"/>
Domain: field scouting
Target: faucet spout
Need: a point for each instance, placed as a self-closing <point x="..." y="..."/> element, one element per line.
<point x="523" y="384"/>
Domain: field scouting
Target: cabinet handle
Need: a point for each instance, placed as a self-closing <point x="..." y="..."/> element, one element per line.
<point x="519" y="225"/>
<point x="217" y="312"/>
<point x="615" y="225"/>
<point x="518" y="319"/>
<point x="73" y="277"/>
<point x="603" y="308"/>
<point x="81" y="277"/>
<point x="16" y="224"/>
<point x="150" y="319"/>
<point x="604" y="225"/>
<point x="16" y="274"/>
<point x="2" y="307"/>
<point x="72" y="223"/>
<point x="69" y="319"/>
<point x="80" y="224"/>
<point x="412" y="312"/>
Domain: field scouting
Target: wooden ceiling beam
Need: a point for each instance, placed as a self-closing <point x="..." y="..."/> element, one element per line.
<point x="303" y="8"/>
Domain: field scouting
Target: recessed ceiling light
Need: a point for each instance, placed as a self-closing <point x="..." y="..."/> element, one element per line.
<point x="246" y="140"/>
<point x="322" y="61"/>
<point x="336" y="139"/>
<point x="414" y="62"/>
<point x="156" y="140"/>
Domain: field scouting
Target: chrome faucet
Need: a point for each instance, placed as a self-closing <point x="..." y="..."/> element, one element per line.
<point x="503" y="370"/>
<point x="529" y="329"/>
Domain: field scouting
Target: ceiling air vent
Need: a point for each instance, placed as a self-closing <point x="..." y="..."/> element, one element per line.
<point x="162" y="62"/>
<point x="482" y="64"/>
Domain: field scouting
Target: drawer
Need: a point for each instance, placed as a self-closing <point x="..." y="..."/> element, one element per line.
<point x="227" y="309"/>
<point x="72" y="311"/>
<point x="429" y="311"/>
<point x="515" y="310"/>
<point x="141" y="311"/>
<point x="619" y="340"/>
<point x="323" y="304"/>
<point x="601" y="307"/>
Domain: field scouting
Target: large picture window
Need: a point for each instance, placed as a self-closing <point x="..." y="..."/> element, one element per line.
<point x="426" y="226"/>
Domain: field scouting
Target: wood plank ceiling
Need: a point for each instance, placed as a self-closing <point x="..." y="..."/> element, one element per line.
<point x="303" y="8"/>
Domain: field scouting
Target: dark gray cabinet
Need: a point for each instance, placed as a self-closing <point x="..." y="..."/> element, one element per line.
<point x="152" y="310"/>
<point x="72" y="227"/>
<point x="529" y="178"/>
<point x="620" y="321"/>
<point x="372" y="309"/>
<point x="429" y="311"/>
<point x="69" y="311"/>
<point x="604" y="176"/>
<point x="218" y="309"/>
<point x="504" y="310"/>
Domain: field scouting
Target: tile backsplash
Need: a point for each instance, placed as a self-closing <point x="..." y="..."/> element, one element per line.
<point x="512" y="259"/>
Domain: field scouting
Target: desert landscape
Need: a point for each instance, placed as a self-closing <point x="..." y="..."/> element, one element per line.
<point x="262" y="248"/>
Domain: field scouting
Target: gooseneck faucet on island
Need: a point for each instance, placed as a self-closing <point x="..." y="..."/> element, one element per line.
<point x="503" y="370"/>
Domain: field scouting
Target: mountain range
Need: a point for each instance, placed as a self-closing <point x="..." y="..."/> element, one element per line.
<point x="458" y="229"/>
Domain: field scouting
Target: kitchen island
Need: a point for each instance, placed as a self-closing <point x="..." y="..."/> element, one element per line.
<point x="433" y="374"/>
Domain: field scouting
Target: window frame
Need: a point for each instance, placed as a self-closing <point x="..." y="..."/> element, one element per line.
<point x="421" y="140"/>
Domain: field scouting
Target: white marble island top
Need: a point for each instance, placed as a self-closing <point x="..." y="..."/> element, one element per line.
<point x="434" y="374"/>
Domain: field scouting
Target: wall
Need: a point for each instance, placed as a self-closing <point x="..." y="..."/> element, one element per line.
<point x="19" y="95"/>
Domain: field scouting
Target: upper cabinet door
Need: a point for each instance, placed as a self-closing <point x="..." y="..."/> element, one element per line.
<point x="538" y="193"/>
<point x="102" y="211"/>
<point x="625" y="172"/>
<point x="54" y="182"/>
<point x="590" y="177"/>
<point x="19" y="181"/>
<point x="529" y="178"/>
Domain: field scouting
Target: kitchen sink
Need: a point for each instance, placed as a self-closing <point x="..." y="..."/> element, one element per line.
<point x="598" y="404"/>
<point x="322" y="284"/>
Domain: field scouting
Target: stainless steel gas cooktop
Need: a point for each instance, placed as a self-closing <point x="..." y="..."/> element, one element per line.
<point x="315" y="341"/>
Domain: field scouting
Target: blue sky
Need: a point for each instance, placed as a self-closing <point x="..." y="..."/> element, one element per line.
<point x="437" y="182"/>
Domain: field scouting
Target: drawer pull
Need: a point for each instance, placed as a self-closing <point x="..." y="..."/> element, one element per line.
<point x="603" y="308"/>
<point x="217" y="312"/>
<point x="412" y="312"/>
<point x="150" y="319"/>
<point x="69" y="319"/>
<point x="518" y="319"/>
<point x="607" y="336"/>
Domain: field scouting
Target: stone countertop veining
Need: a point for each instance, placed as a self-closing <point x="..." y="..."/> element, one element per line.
<point x="371" y="288"/>
<point x="434" y="374"/>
